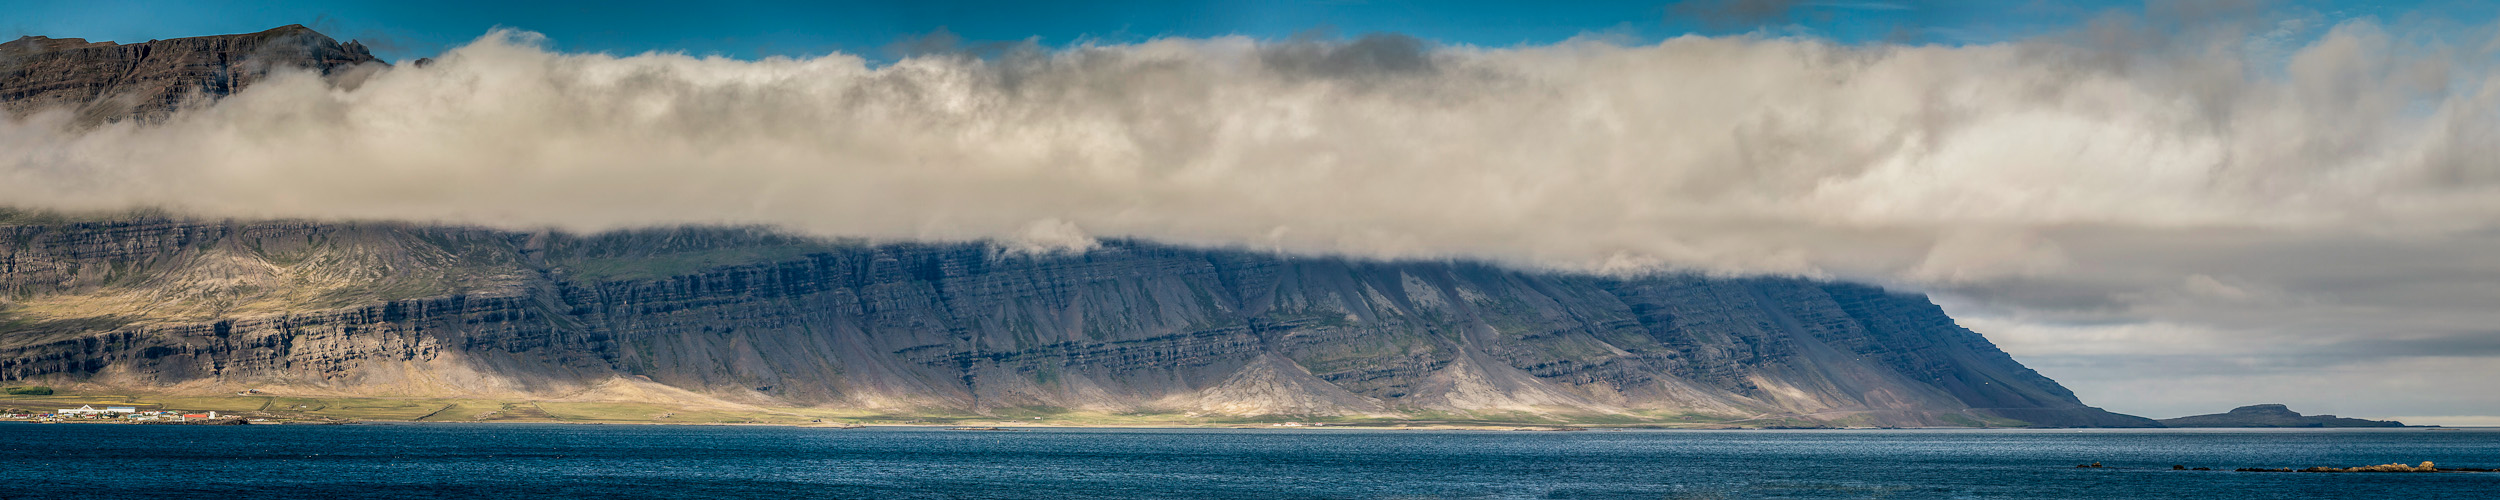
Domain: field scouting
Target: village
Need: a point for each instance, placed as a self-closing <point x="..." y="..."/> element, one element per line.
<point x="115" y="414"/>
<point x="41" y="405"/>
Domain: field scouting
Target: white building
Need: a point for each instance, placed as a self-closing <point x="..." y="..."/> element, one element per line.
<point x="90" y="410"/>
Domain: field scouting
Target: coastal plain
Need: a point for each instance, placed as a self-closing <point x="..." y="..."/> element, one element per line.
<point x="332" y="409"/>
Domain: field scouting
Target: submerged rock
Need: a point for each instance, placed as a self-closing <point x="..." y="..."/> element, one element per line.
<point x="2394" y="467"/>
<point x="2425" y="467"/>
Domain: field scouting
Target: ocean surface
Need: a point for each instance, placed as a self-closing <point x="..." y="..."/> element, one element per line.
<point x="649" y="461"/>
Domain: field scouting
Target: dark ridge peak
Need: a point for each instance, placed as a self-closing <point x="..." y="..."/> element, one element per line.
<point x="287" y="31"/>
<point x="105" y="81"/>
<point x="39" y="43"/>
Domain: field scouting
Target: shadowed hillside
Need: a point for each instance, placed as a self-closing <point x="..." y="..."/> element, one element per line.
<point x="755" y="317"/>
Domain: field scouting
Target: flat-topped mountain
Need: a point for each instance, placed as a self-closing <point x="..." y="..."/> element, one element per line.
<point x="756" y="317"/>
<point x="169" y="304"/>
<point x="106" y="80"/>
<point x="2272" y="415"/>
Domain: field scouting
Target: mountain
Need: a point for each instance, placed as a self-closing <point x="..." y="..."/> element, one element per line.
<point x="753" y="316"/>
<point x="105" y="80"/>
<point x="2272" y="415"/>
<point x="168" y="304"/>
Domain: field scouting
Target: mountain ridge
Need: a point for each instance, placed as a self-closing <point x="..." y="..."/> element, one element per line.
<point x="1130" y="326"/>
<point x="105" y="81"/>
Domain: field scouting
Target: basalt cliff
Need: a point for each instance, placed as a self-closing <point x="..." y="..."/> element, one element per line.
<point x="167" y="303"/>
<point x="102" y="81"/>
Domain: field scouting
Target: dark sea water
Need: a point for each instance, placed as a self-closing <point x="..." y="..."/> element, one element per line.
<point x="635" y="461"/>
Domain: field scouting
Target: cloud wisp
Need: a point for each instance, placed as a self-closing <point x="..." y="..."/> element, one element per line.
<point x="2096" y="176"/>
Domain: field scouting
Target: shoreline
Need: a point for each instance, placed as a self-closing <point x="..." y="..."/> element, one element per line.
<point x="310" y="409"/>
<point x="1009" y="427"/>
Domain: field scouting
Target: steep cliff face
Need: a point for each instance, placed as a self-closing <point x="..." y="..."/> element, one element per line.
<point x="105" y="80"/>
<point x="1132" y="327"/>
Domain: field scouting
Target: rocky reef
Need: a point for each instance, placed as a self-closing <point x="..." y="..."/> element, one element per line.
<point x="2394" y="467"/>
<point x="2272" y="415"/>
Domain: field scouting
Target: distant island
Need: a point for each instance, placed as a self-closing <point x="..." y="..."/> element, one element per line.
<point x="2273" y="415"/>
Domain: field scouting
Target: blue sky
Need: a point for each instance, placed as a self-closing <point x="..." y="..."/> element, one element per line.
<point x="404" y="30"/>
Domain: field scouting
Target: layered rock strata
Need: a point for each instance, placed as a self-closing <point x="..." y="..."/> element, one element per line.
<point x="1130" y="327"/>
<point x="101" y="81"/>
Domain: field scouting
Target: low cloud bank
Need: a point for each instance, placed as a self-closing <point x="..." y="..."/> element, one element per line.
<point x="1930" y="164"/>
<point x="2209" y="176"/>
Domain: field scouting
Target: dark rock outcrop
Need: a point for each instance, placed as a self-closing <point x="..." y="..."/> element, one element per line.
<point x="103" y="81"/>
<point x="2272" y="415"/>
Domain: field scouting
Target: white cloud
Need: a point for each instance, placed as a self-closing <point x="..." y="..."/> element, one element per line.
<point x="1735" y="154"/>
<point x="1050" y="236"/>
